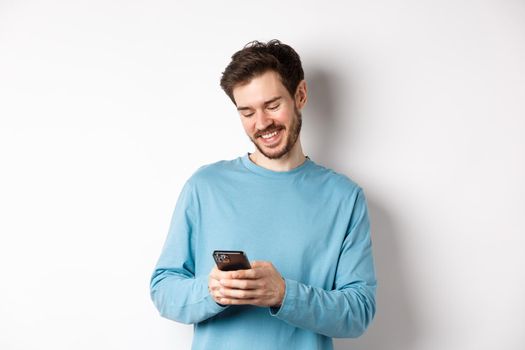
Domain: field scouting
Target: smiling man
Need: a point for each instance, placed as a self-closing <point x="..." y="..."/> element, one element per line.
<point x="272" y="118"/>
<point x="305" y="226"/>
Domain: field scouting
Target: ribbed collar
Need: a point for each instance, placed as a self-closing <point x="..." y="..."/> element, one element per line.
<point x="247" y="162"/>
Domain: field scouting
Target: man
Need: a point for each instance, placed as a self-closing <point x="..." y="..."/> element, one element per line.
<point x="305" y="226"/>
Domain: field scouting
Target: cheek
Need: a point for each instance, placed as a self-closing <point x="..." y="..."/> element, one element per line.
<point x="284" y="117"/>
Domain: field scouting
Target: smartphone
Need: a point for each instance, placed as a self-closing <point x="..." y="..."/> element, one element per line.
<point x="231" y="260"/>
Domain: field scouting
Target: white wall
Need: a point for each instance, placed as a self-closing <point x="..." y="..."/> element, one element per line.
<point x="106" y="108"/>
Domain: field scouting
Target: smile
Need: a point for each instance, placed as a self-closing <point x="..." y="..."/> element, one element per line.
<point x="267" y="136"/>
<point x="272" y="138"/>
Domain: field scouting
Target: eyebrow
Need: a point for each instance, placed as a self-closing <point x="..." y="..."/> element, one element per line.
<point x="266" y="103"/>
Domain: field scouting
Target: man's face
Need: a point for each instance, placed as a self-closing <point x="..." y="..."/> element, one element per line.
<point x="269" y="115"/>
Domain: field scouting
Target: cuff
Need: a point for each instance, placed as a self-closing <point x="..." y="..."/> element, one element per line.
<point x="289" y="301"/>
<point x="210" y="303"/>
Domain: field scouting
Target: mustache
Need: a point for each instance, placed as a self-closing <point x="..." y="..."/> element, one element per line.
<point x="268" y="130"/>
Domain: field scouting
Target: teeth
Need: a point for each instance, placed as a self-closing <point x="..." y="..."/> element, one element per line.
<point x="267" y="136"/>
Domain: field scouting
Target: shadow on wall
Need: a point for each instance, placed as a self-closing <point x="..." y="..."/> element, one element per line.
<point x="319" y="121"/>
<point x="394" y="326"/>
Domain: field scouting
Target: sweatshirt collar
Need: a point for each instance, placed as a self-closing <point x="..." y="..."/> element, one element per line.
<point x="248" y="163"/>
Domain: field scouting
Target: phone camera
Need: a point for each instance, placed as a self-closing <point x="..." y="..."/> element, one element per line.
<point x="224" y="258"/>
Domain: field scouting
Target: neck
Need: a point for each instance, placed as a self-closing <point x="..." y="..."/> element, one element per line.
<point x="289" y="161"/>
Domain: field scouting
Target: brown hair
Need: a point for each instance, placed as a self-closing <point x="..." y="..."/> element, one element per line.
<point x="257" y="58"/>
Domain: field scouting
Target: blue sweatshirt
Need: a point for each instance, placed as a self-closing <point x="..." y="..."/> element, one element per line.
<point x="310" y="222"/>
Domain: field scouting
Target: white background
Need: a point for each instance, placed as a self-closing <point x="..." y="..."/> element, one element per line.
<point x="107" y="107"/>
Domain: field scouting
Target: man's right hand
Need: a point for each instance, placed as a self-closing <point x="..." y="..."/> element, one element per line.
<point x="214" y="285"/>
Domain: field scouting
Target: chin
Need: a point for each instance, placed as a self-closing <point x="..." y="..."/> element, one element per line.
<point x="273" y="153"/>
<point x="277" y="152"/>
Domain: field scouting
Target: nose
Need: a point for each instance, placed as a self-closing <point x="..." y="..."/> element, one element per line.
<point x="262" y="120"/>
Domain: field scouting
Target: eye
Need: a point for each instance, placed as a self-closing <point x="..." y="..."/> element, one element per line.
<point x="273" y="107"/>
<point x="247" y="115"/>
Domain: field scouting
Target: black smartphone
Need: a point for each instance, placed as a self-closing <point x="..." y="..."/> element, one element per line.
<point x="231" y="260"/>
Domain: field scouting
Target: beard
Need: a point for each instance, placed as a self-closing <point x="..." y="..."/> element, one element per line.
<point x="291" y="137"/>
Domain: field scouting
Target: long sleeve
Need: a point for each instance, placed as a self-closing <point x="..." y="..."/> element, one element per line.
<point x="347" y="310"/>
<point x="175" y="291"/>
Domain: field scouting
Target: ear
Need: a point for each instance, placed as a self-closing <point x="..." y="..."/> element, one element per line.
<point x="301" y="95"/>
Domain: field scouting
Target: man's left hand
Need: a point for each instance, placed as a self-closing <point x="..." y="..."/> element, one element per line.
<point x="262" y="285"/>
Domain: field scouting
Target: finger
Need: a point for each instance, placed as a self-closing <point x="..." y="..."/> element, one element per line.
<point x="218" y="274"/>
<point x="260" y="263"/>
<point x="216" y="293"/>
<point x="238" y="293"/>
<point x="239" y="284"/>
<point x="246" y="274"/>
<point x="214" y="284"/>
<point x="233" y="301"/>
<point x="215" y="273"/>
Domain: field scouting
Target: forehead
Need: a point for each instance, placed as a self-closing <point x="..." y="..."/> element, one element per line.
<point x="260" y="89"/>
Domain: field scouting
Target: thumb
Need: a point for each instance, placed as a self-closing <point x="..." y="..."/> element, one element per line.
<point x="259" y="264"/>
